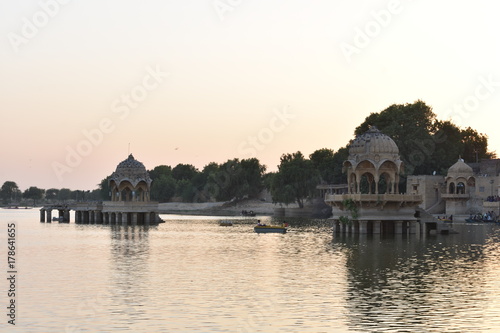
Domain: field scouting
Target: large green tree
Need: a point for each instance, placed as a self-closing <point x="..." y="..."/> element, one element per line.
<point x="10" y="192"/>
<point x="184" y="172"/>
<point x="66" y="193"/>
<point x="160" y="170"/>
<point x="425" y="143"/>
<point x="410" y="126"/>
<point x="33" y="193"/>
<point x="324" y="161"/>
<point x="295" y="181"/>
<point x="163" y="188"/>
<point x="52" y="194"/>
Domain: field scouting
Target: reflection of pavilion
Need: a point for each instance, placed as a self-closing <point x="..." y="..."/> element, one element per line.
<point x="130" y="201"/>
<point x="373" y="203"/>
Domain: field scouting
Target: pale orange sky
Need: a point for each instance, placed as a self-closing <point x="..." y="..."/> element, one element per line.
<point x="206" y="81"/>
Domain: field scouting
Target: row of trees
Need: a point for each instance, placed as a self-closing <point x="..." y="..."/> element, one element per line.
<point x="11" y="194"/>
<point x="426" y="145"/>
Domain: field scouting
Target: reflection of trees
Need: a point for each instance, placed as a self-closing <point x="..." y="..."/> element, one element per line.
<point x="415" y="285"/>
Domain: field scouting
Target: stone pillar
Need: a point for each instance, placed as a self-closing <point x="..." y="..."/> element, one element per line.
<point x="376" y="227"/>
<point x="414" y="227"/>
<point x="124" y="219"/>
<point x="98" y="217"/>
<point x="134" y="218"/>
<point x="42" y="215"/>
<point x="49" y="215"/>
<point x="147" y="218"/>
<point x="67" y="215"/>
<point x="336" y="226"/>
<point x="363" y="227"/>
<point x="398" y="227"/>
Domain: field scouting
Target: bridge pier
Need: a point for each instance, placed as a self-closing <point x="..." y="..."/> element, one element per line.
<point x="99" y="213"/>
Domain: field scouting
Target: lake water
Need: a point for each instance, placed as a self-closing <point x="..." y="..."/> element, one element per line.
<point x="192" y="275"/>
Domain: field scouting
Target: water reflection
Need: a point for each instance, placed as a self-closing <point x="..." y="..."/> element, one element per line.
<point x="420" y="285"/>
<point x="129" y="280"/>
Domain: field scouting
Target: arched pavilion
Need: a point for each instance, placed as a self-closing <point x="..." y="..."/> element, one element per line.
<point x="373" y="203"/>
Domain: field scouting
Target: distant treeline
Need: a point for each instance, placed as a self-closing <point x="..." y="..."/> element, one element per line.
<point x="426" y="146"/>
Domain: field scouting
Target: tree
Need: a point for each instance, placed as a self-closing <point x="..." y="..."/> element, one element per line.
<point x="324" y="161"/>
<point x="410" y="126"/>
<point x="253" y="172"/>
<point x="34" y="193"/>
<point x="211" y="188"/>
<point x="65" y="194"/>
<point x="295" y="180"/>
<point x="425" y="143"/>
<point x="184" y="171"/>
<point x="104" y="189"/>
<point x="475" y="146"/>
<point x="163" y="188"/>
<point x="448" y="146"/>
<point x="51" y="194"/>
<point x="341" y="155"/>
<point x="9" y="192"/>
<point x="186" y="190"/>
<point x="234" y="179"/>
<point x="160" y="170"/>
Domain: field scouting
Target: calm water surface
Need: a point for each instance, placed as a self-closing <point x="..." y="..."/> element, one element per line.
<point x="192" y="275"/>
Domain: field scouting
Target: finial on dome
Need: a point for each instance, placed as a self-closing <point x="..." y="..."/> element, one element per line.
<point x="373" y="129"/>
<point x="131" y="157"/>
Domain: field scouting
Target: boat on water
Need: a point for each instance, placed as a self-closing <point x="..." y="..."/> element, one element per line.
<point x="225" y="223"/>
<point x="247" y="213"/>
<point x="489" y="217"/>
<point x="262" y="228"/>
<point x="477" y="220"/>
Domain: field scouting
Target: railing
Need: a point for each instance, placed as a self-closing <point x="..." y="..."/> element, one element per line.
<point x="374" y="197"/>
<point x="455" y="196"/>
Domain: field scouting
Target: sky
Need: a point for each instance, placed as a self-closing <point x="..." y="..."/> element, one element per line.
<point x="85" y="83"/>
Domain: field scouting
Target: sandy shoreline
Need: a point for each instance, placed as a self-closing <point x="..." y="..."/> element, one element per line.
<point x="217" y="208"/>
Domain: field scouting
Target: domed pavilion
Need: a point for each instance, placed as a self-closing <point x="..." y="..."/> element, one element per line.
<point x="460" y="185"/>
<point x="130" y="187"/>
<point x="373" y="203"/>
<point x="130" y="181"/>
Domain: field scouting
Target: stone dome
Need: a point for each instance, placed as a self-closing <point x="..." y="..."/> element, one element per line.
<point x="131" y="170"/>
<point x="373" y="142"/>
<point x="460" y="168"/>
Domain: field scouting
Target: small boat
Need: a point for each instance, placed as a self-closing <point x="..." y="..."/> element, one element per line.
<point x="247" y="213"/>
<point x="270" y="229"/>
<point x="476" y="220"/>
<point x="225" y="223"/>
